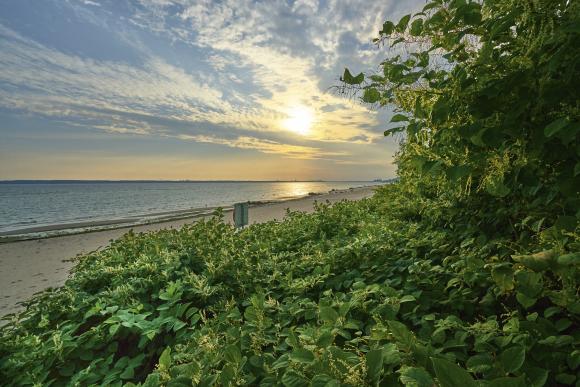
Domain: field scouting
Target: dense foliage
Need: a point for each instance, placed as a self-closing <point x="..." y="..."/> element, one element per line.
<point x="465" y="273"/>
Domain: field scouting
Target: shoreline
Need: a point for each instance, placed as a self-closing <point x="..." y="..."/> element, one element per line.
<point x="88" y="226"/>
<point x="33" y="265"/>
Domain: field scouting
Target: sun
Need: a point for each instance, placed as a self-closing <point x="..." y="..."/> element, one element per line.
<point x="299" y="121"/>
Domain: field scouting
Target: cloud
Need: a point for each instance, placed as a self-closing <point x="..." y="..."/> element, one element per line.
<point x="221" y="72"/>
<point x="89" y="2"/>
<point x="267" y="146"/>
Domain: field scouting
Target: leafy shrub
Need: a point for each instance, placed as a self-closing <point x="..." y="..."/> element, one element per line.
<point x="353" y="294"/>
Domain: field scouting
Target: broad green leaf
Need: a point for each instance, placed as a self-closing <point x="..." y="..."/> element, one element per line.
<point x="165" y="358"/>
<point x="302" y="355"/>
<point x="232" y="354"/>
<point x="538" y="262"/>
<point x="388" y="28"/>
<point x="399" y="117"/>
<point x="571" y="259"/>
<point x="407" y="298"/>
<point x="451" y="375"/>
<point x="565" y="378"/>
<point x="129" y="373"/>
<point x="503" y="277"/>
<point x="512" y="358"/>
<point x="417" y="27"/>
<point x="401" y="333"/>
<point x="153" y="380"/>
<point x="525" y="301"/>
<point x="573" y="359"/>
<point x="328" y="314"/>
<point x="371" y="95"/>
<point x="563" y="324"/>
<point x="374" y="361"/>
<point x="325" y="339"/>
<point x="529" y="283"/>
<point x="292" y="378"/>
<point x="555" y="126"/>
<point x="391" y="354"/>
<point x="392" y="131"/>
<point x="480" y="363"/>
<point x="557" y="341"/>
<point x="227" y="375"/>
<point x="537" y="376"/>
<point x="402" y="24"/>
<point x="416" y="377"/>
<point x="349" y="79"/>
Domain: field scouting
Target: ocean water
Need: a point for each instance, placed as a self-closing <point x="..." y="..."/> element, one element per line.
<point x="32" y="208"/>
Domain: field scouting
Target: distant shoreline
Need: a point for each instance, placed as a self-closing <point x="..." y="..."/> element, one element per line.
<point x="82" y="227"/>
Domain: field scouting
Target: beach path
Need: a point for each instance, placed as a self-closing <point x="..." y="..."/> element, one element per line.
<point x="28" y="267"/>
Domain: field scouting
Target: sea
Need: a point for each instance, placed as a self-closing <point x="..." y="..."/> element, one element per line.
<point x="36" y="209"/>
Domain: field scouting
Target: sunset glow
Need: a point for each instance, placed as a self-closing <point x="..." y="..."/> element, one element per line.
<point x="299" y="121"/>
<point x="180" y="89"/>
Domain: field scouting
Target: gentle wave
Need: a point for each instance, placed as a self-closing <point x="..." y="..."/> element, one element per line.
<point x="41" y="209"/>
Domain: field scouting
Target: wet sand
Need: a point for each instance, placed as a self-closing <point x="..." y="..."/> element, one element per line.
<point x="30" y="266"/>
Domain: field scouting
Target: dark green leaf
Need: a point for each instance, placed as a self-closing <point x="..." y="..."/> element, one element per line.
<point x="349" y="79"/>
<point x="293" y="379"/>
<point x="328" y="314"/>
<point x="302" y="355"/>
<point x="374" y="361"/>
<point x="512" y="359"/>
<point x="555" y="126"/>
<point x="417" y="27"/>
<point x="416" y="377"/>
<point x="399" y="118"/>
<point x="402" y="24"/>
<point x="451" y="375"/>
<point x="371" y="95"/>
<point x="537" y="376"/>
<point x="390" y="132"/>
<point x="388" y="28"/>
<point x="503" y="277"/>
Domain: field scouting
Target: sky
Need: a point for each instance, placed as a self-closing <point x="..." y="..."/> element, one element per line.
<point x="184" y="89"/>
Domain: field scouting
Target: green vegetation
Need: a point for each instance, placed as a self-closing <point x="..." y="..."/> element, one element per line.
<point x="464" y="273"/>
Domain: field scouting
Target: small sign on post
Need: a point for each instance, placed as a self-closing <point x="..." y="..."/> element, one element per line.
<point x="240" y="214"/>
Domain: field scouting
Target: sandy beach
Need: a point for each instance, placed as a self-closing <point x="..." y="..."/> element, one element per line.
<point x="30" y="266"/>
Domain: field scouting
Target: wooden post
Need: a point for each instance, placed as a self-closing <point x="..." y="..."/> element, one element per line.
<point x="241" y="214"/>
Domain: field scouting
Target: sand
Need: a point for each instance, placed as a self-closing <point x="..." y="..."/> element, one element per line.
<point x="31" y="266"/>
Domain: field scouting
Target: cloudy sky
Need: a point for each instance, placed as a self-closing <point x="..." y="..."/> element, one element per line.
<point x="185" y="89"/>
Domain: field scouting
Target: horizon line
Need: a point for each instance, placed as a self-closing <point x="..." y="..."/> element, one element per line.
<point x="184" y="181"/>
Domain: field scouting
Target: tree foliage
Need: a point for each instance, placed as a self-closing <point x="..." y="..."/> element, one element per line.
<point x="491" y="95"/>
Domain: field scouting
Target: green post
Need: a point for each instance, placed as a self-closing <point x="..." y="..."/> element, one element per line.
<point x="240" y="214"/>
